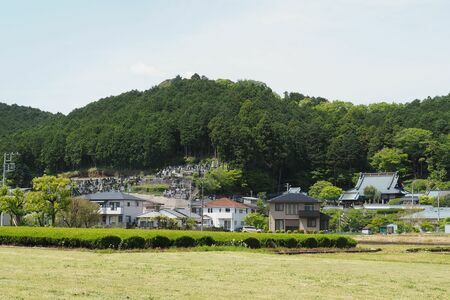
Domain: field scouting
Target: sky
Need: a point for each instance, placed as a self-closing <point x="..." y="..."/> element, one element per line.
<point x="60" y="55"/>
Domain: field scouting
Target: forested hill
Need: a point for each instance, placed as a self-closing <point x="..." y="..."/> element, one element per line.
<point x="272" y="139"/>
<point x="15" y="118"/>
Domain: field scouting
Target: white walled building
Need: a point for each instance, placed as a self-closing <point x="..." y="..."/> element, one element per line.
<point x="118" y="209"/>
<point x="226" y="213"/>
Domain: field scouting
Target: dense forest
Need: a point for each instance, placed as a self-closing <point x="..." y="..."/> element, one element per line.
<point x="15" y="118"/>
<point x="273" y="139"/>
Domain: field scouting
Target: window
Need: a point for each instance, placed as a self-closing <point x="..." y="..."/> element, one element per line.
<point x="128" y="219"/>
<point x="220" y="210"/>
<point x="120" y="219"/>
<point x="128" y="204"/>
<point x="117" y="204"/>
<point x="309" y="207"/>
<point x="311" y="222"/>
<point x="242" y="223"/>
<point x="241" y="211"/>
<point x="279" y="206"/>
<point x="291" y="208"/>
<point x="227" y="210"/>
<point x="210" y="210"/>
<point x="137" y="203"/>
<point x="279" y="224"/>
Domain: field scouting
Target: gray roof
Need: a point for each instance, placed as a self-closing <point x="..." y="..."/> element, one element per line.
<point x="187" y="213"/>
<point x="442" y="193"/>
<point x="385" y="183"/>
<point x="430" y="213"/>
<point x="293" y="198"/>
<point x="114" y="195"/>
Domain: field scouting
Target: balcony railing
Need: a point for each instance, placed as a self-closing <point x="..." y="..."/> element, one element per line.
<point x="110" y="211"/>
<point x="308" y="213"/>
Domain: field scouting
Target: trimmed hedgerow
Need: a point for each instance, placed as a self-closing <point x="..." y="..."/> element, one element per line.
<point x="269" y="243"/>
<point x="159" y="241"/>
<point x="88" y="237"/>
<point x="185" y="242"/>
<point x="252" y="242"/>
<point x="108" y="242"/>
<point x="324" y="242"/>
<point x="290" y="243"/>
<point x="206" y="241"/>
<point x="342" y="242"/>
<point x="309" y="242"/>
<point x="133" y="242"/>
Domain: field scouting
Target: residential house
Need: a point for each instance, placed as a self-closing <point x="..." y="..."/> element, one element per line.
<point x="149" y="219"/>
<point x="117" y="209"/>
<point x="226" y="213"/>
<point x="387" y="184"/>
<point x="296" y="211"/>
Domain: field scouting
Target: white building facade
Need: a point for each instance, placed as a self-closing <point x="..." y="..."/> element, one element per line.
<point x="118" y="209"/>
<point x="227" y="214"/>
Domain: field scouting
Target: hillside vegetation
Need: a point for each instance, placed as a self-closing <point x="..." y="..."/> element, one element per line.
<point x="15" y="118"/>
<point x="272" y="139"/>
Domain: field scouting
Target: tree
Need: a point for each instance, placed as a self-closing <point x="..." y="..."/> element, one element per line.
<point x="14" y="205"/>
<point x="51" y="195"/>
<point x="80" y="213"/>
<point x="330" y="193"/>
<point x="389" y="160"/>
<point x="414" y="142"/>
<point x="223" y="180"/>
<point x="258" y="220"/>
<point x="372" y="194"/>
<point x="324" y="190"/>
<point x="316" y="188"/>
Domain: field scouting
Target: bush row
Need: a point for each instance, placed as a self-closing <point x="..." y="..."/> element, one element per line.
<point x="159" y="241"/>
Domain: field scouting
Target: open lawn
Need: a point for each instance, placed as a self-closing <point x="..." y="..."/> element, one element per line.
<point x="54" y="273"/>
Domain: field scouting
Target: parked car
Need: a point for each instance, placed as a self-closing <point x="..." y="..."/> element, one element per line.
<point x="250" y="229"/>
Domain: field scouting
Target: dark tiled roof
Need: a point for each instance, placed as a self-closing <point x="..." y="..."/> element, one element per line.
<point x="103" y="196"/>
<point x="293" y="198"/>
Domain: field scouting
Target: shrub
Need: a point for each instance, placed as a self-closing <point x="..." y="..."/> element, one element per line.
<point x="324" y="242"/>
<point x="159" y="241"/>
<point x="269" y="243"/>
<point x="185" y="242"/>
<point x="289" y="231"/>
<point x="309" y="242"/>
<point x="341" y="242"/>
<point x="252" y="242"/>
<point x="133" y="242"/>
<point x="206" y="241"/>
<point x="109" y="241"/>
<point x="290" y="243"/>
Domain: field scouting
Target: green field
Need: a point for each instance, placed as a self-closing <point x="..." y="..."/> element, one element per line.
<point x="38" y="273"/>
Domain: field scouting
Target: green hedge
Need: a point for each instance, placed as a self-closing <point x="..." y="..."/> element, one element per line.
<point x="139" y="239"/>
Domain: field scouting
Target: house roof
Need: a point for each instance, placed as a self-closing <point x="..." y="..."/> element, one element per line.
<point x="430" y="213"/>
<point x="114" y="195"/>
<point x="385" y="183"/>
<point x="150" y="214"/>
<point x="441" y="193"/>
<point x="293" y="198"/>
<point x="225" y="202"/>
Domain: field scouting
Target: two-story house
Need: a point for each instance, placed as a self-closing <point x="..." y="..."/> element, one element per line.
<point x="226" y="213"/>
<point x="296" y="211"/>
<point x="118" y="209"/>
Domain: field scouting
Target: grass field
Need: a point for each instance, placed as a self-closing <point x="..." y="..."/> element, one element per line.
<point x="39" y="273"/>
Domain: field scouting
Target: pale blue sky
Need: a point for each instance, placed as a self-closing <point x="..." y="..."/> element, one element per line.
<point x="59" y="55"/>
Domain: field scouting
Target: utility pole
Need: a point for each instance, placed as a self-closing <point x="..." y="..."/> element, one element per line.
<point x="8" y="166"/>
<point x="439" y="213"/>
<point x="201" y="225"/>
